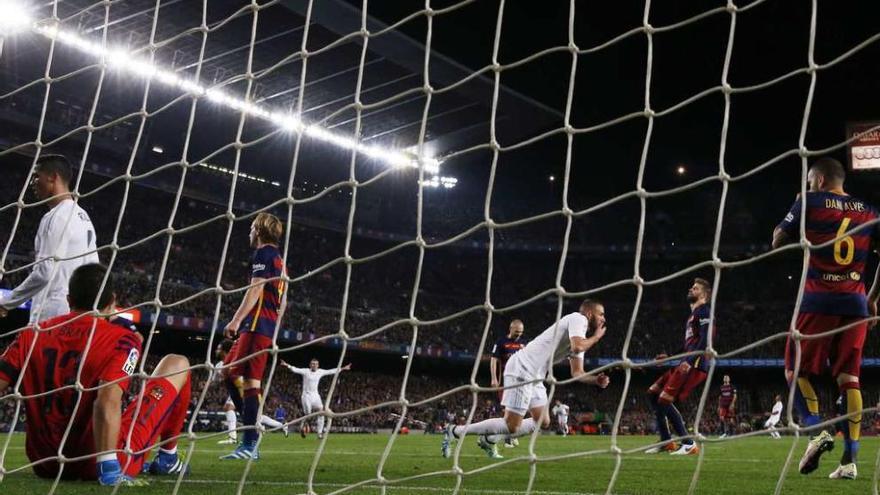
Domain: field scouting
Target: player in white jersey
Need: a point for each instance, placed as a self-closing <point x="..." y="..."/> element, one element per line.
<point x="311" y="399"/>
<point x="524" y="375"/>
<point x="65" y="231"/>
<point x="773" y="420"/>
<point x="560" y="412"/>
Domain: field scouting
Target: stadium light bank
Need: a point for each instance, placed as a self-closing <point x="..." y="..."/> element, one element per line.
<point x="14" y="18"/>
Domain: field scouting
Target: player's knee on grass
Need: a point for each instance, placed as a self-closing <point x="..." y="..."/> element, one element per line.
<point x="175" y="369"/>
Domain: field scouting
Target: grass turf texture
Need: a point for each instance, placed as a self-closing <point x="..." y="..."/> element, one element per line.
<point x="739" y="467"/>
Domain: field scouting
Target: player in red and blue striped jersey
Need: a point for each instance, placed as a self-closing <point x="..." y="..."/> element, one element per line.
<point x="727" y="407"/>
<point x="677" y="384"/>
<point x="255" y="322"/>
<point x="834" y="297"/>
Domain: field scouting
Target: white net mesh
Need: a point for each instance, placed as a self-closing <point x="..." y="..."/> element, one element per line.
<point x="84" y="30"/>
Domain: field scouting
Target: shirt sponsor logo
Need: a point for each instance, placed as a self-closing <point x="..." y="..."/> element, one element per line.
<point x="257" y="267"/>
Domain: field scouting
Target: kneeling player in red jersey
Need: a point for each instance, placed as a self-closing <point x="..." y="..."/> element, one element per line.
<point x="677" y="384"/>
<point x="102" y="356"/>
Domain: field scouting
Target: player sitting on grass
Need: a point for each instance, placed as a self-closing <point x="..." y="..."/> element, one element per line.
<point x="525" y="372"/>
<point x="79" y="348"/>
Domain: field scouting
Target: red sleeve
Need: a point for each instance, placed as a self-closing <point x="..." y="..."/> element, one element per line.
<point x="122" y="352"/>
<point x="11" y="359"/>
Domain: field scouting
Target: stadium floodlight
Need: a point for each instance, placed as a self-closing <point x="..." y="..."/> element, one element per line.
<point x="125" y="61"/>
<point x="14" y="17"/>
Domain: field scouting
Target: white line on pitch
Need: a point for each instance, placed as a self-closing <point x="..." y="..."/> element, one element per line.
<point x="376" y="487"/>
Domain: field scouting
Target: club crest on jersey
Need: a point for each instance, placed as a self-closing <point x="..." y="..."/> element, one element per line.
<point x="131" y="362"/>
<point x="157" y="393"/>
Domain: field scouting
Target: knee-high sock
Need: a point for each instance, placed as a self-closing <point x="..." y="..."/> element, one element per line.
<point x="320" y="422"/>
<point x="231" y="423"/>
<point x="660" y="416"/>
<point x="850" y="401"/>
<point x="525" y="428"/>
<point x="249" y="415"/>
<point x="806" y="402"/>
<point x="175" y="418"/>
<point x="674" y="417"/>
<point x="492" y="426"/>
<point x="269" y="422"/>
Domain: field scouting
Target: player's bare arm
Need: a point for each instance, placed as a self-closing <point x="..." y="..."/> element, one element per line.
<point x="576" y="364"/>
<point x="493" y="369"/>
<point x="583" y="344"/>
<point x="247" y="304"/>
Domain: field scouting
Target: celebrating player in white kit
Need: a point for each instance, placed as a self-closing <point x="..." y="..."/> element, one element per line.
<point x="65" y="240"/>
<point x="773" y="420"/>
<point x="311" y="400"/>
<point x="560" y="411"/>
<point x="525" y="372"/>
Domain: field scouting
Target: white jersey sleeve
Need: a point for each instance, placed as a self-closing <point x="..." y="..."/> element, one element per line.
<point x="550" y="346"/>
<point x="298" y="371"/>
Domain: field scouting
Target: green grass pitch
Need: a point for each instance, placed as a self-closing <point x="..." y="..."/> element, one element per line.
<point x="742" y="466"/>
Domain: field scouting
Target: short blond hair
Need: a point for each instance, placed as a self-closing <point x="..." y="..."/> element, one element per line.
<point x="269" y="228"/>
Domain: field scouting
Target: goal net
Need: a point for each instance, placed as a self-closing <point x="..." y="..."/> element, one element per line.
<point x="184" y="120"/>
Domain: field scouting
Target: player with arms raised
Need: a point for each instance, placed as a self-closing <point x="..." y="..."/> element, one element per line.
<point x="504" y="348"/>
<point x="256" y="320"/>
<point x="63" y="355"/>
<point x="311" y="398"/>
<point x="834" y="297"/>
<point x="775" y="415"/>
<point x="727" y="407"/>
<point x="525" y="372"/>
<point x="677" y="384"/>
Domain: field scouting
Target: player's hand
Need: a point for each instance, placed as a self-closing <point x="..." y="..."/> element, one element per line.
<point x="600" y="332"/>
<point x="231" y="330"/>
<point x="602" y="380"/>
<point x="346" y="367"/>
<point x="5" y="312"/>
<point x="495" y="382"/>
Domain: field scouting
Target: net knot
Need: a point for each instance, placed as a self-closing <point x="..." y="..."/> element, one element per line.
<point x="732" y="8"/>
<point x="626" y="363"/>
<point x="648" y="113"/>
<point x="496" y="67"/>
<point x="488" y="306"/>
<point x="365" y="32"/>
<point x="428" y="89"/>
<point x="569" y="129"/>
<point x="649" y="29"/>
<point x="638" y="281"/>
<point x="616" y="450"/>
<point x="573" y="48"/>
<point x="726" y="88"/>
<point x="229" y="216"/>
<point x="533" y="458"/>
<point x="304" y="53"/>
<point x="458" y="471"/>
<point x="803" y="152"/>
